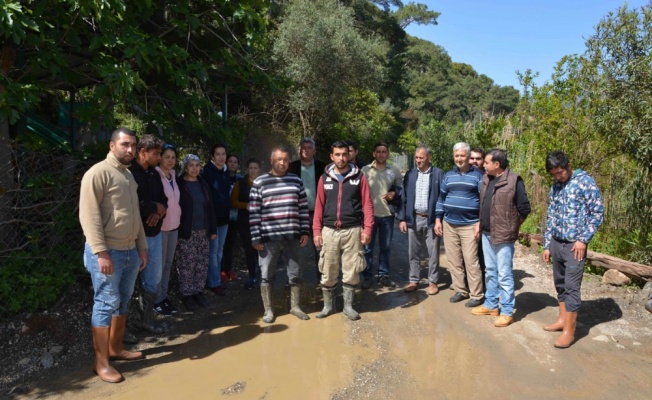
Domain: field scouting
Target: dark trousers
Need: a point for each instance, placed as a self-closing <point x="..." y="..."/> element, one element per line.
<point x="567" y="274"/>
<point x="251" y="254"/>
<point x="229" y="246"/>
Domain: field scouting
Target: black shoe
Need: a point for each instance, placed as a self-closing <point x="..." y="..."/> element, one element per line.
<point x="367" y="283"/>
<point x="162" y="309"/>
<point x="251" y="283"/>
<point x="170" y="306"/>
<point x="385" y="281"/>
<point x="200" y="300"/>
<point x="189" y="303"/>
<point x="474" y="303"/>
<point x="457" y="297"/>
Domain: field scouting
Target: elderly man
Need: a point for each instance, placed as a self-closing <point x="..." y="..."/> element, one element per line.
<point x="343" y="223"/>
<point x="278" y="215"/>
<point x="153" y="206"/>
<point x="503" y="208"/>
<point x="115" y="249"/>
<point x="309" y="170"/>
<point x="575" y="212"/>
<point x="421" y="187"/>
<point x="458" y="207"/>
<point x="384" y="181"/>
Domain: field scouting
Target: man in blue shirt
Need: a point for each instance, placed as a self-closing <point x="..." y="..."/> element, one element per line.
<point x="575" y="212"/>
<point x="457" y="216"/>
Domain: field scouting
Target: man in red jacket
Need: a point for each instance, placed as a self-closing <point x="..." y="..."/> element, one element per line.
<point x="343" y="222"/>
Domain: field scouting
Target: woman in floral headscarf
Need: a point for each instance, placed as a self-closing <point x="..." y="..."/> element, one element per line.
<point x="197" y="228"/>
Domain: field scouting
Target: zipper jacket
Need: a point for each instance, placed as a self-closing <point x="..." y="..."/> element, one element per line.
<point x="346" y="204"/>
<point x="575" y="209"/>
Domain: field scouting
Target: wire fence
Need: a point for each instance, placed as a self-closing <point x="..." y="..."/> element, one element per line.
<point x="41" y="241"/>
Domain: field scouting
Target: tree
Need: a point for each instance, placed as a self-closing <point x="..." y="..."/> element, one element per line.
<point x="318" y="48"/>
<point x="617" y="73"/>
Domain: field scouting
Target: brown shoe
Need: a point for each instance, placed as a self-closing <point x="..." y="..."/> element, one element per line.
<point x="482" y="310"/>
<point x="503" y="321"/>
<point x="433" y="289"/>
<point x="411" y="287"/>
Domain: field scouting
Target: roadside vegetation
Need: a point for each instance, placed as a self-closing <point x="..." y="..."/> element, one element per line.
<point x="254" y="73"/>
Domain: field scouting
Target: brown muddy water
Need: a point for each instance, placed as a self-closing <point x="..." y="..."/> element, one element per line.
<point x="406" y="346"/>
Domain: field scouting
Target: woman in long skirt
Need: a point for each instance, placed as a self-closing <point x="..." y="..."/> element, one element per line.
<point x="198" y="226"/>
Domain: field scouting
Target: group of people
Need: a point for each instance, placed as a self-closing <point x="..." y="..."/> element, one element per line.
<point x="138" y="214"/>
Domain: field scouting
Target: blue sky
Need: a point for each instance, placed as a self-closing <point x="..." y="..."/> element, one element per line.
<point x="498" y="37"/>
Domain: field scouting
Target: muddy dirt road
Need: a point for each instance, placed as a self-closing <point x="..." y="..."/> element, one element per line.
<point x="406" y="346"/>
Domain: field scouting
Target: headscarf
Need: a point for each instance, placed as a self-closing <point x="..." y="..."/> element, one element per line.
<point x="188" y="158"/>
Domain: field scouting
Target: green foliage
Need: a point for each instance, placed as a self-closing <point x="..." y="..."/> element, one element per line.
<point x="319" y="49"/>
<point x="30" y="281"/>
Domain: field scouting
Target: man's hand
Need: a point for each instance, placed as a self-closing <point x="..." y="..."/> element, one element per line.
<point x="545" y="256"/>
<point x="214" y="236"/>
<point x="258" y="246"/>
<point x="402" y="226"/>
<point x="318" y="241"/>
<point x="161" y="210"/>
<point x="153" y="219"/>
<point x="303" y="240"/>
<point x="439" y="229"/>
<point x="105" y="263"/>
<point x="579" y="250"/>
<point x="389" y="196"/>
<point x="142" y="255"/>
<point x="476" y="231"/>
<point x="365" y="239"/>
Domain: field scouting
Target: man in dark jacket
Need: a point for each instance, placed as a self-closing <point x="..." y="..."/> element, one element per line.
<point x="309" y="169"/>
<point x="216" y="175"/>
<point x="153" y="206"/>
<point x="503" y="208"/>
<point x="416" y="214"/>
<point x="344" y="219"/>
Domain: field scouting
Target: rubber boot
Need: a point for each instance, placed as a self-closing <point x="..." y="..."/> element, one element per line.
<point x="117" y="350"/>
<point x="558" y="325"/>
<point x="101" y="344"/>
<point x="266" y="293"/>
<point x="329" y="302"/>
<point x="348" y="303"/>
<point x="568" y="335"/>
<point x="147" y="319"/>
<point x="295" y="309"/>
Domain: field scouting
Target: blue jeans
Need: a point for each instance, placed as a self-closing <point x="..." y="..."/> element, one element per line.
<point x="383" y="230"/>
<point x="499" y="276"/>
<point x="216" y="250"/>
<point x="112" y="292"/>
<point x="151" y="275"/>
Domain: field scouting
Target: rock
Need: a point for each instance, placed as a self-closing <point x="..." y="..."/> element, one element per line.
<point x="56" y="349"/>
<point x="24" y="361"/>
<point x="647" y="287"/>
<point x="24" y="328"/>
<point x="616" y="278"/>
<point x="601" y="338"/>
<point x="46" y="360"/>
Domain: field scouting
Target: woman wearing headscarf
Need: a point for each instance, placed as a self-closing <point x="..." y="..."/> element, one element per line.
<point x="197" y="227"/>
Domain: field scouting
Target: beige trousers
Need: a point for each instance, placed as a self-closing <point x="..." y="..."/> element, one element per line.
<point x="341" y="245"/>
<point x="462" y="250"/>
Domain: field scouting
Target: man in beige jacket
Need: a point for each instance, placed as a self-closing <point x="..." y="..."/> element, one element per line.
<point x="115" y="248"/>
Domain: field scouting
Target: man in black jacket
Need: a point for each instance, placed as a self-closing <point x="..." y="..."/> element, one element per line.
<point x="153" y="206"/>
<point x="417" y="218"/>
<point x="309" y="170"/>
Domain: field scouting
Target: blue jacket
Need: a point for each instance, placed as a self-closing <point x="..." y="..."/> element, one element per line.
<point x="220" y="183"/>
<point x="575" y="209"/>
<point x="408" y="196"/>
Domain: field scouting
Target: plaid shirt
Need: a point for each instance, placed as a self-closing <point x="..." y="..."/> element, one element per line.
<point x="422" y="191"/>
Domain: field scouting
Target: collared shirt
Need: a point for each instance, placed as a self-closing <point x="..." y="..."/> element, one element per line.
<point x="309" y="183"/>
<point x="422" y="191"/>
